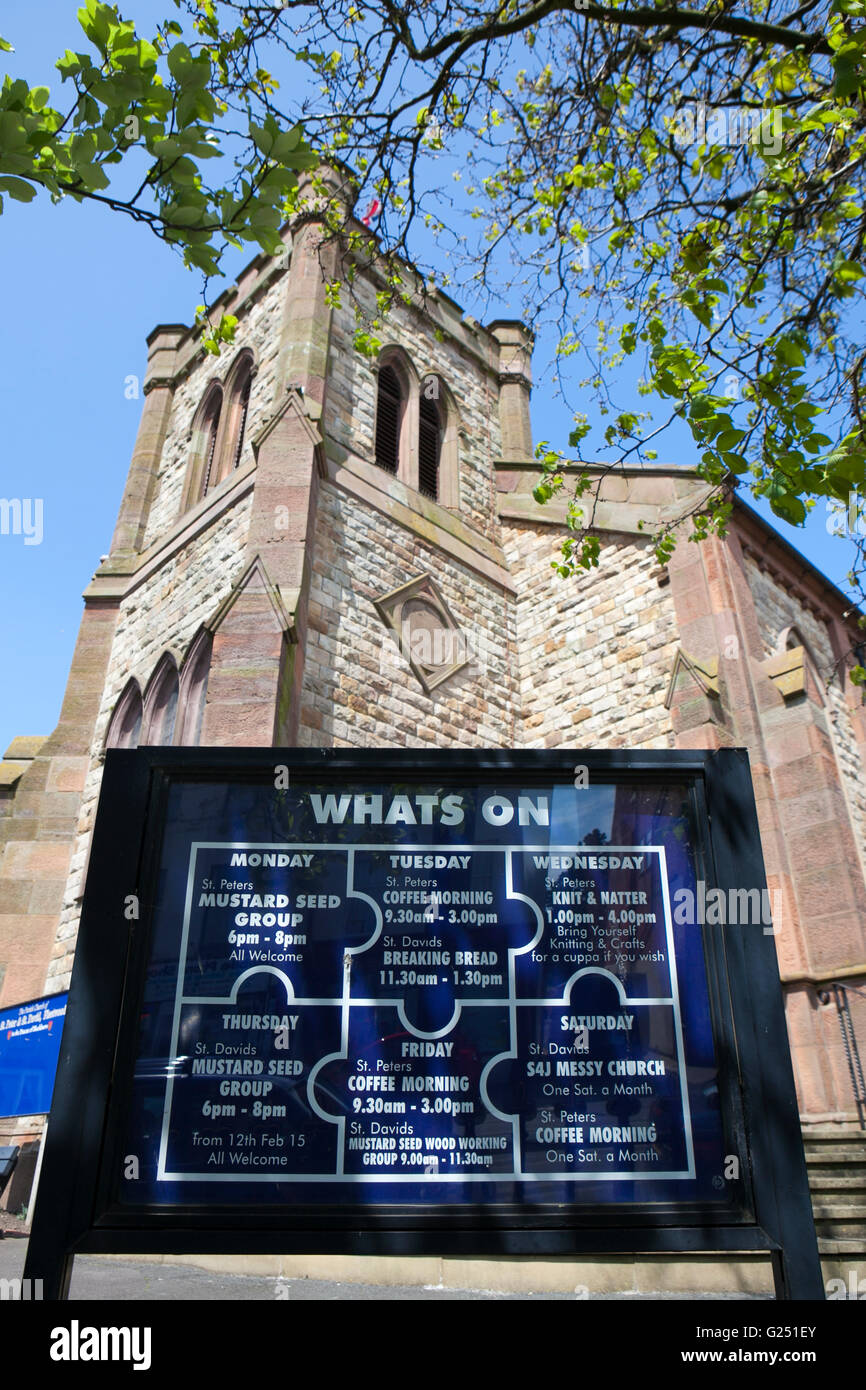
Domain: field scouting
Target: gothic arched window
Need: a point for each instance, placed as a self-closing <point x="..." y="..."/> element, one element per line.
<point x="124" y="728"/>
<point x="417" y="429"/>
<point x="205" y="439"/>
<point x="390" y="406"/>
<point x="193" y="690"/>
<point x="244" y="405"/>
<point x="429" y="445"/>
<point x="237" y="393"/>
<point x="211" y="432"/>
<point x="219" y="430"/>
<point x="160" y="704"/>
<point x="438" y="443"/>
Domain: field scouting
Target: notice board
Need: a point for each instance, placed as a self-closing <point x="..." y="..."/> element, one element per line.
<point x="394" y="1002"/>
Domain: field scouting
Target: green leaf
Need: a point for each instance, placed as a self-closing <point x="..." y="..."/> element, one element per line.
<point x="18" y="189"/>
<point x="93" y="176"/>
<point x="179" y="61"/>
<point x="96" y="20"/>
<point x="787" y="506"/>
<point x="847" y="65"/>
<point x="790" y="352"/>
<point x="185" y="215"/>
<point x="737" y="463"/>
<point x="728" y="438"/>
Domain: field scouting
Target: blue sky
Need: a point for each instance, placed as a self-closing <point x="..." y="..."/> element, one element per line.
<point x="82" y="287"/>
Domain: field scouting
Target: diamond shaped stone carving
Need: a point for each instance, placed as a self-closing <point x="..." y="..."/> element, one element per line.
<point x="423" y="631"/>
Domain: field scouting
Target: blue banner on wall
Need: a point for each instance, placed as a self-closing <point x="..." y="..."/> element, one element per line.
<point x="29" y="1046"/>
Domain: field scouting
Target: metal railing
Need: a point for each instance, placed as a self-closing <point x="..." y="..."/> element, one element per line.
<point x="839" y="993"/>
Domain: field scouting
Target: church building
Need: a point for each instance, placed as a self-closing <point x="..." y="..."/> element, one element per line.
<point x="319" y="548"/>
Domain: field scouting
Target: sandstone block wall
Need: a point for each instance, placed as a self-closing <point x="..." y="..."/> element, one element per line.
<point x="816" y="765"/>
<point x="595" y="651"/>
<point x="358" y="689"/>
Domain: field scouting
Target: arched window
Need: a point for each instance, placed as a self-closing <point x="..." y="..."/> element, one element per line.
<point x="429" y="445"/>
<point x="205" y="439"/>
<point x="244" y="410"/>
<point x="193" y="690"/>
<point x="237" y="393"/>
<point x="417" y="429"/>
<point x="390" y="405"/>
<point x="211" y="431"/>
<point x="124" y="729"/>
<point x="438" y="443"/>
<point x="160" y="704"/>
<point x="219" y="430"/>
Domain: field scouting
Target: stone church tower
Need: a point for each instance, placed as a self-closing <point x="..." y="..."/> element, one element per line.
<point x="315" y="548"/>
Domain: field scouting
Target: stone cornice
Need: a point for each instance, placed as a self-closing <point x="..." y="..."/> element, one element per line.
<point x="152" y="382"/>
<point x="515" y="379"/>
<point x="629" y="501"/>
<point x="624" y="518"/>
<point x="673" y="470"/>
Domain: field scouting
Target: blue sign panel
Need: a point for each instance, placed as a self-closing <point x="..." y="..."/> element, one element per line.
<point x="421" y="993"/>
<point x="29" y="1046"/>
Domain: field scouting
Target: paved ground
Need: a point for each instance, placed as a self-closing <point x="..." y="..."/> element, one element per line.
<point x="119" y="1280"/>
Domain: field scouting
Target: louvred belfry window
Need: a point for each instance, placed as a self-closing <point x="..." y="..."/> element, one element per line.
<point x="242" y="420"/>
<point x="388" y="407"/>
<point x="212" y="426"/>
<point x="429" y="441"/>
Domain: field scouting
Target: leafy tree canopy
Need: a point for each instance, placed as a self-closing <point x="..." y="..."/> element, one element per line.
<point x="682" y="184"/>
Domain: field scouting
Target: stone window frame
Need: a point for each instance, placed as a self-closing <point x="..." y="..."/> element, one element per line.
<point x="407" y="445"/>
<point x="203" y="453"/>
<point x="412" y="386"/>
<point x="161" y="704"/>
<point x="126" y="717"/>
<point x="448" y="480"/>
<point x="214" y="458"/>
<point x="192" y="689"/>
<point x="239" y="380"/>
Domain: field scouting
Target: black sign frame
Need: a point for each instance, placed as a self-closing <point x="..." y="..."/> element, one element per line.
<point x="76" y="1213"/>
